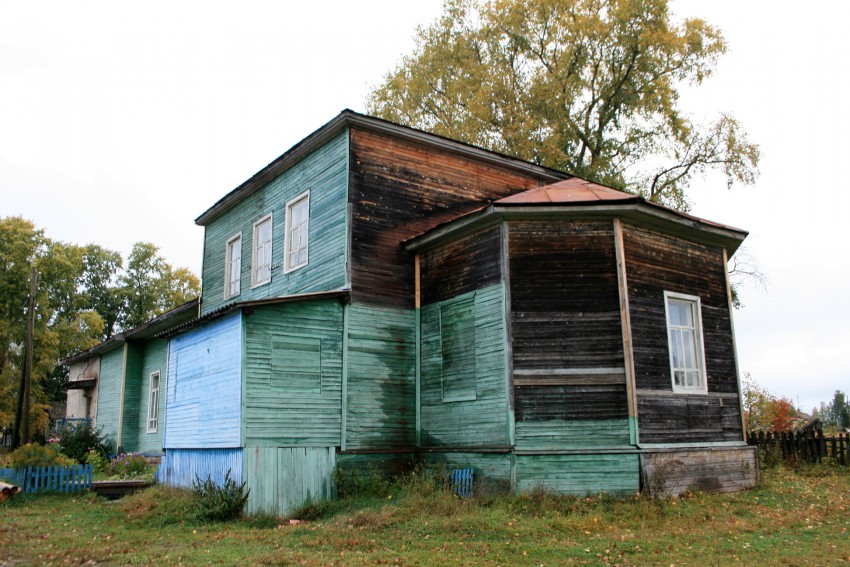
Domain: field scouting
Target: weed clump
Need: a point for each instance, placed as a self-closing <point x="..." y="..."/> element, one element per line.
<point x="214" y="503"/>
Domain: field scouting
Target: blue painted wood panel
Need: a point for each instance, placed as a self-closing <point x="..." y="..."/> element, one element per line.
<point x="325" y="174"/>
<point x="180" y="467"/>
<point x="204" y="396"/>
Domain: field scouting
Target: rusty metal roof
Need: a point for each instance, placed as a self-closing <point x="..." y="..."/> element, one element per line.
<point x="568" y="191"/>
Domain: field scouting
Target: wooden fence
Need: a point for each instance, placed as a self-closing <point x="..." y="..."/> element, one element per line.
<point x="812" y="446"/>
<point x="60" y="479"/>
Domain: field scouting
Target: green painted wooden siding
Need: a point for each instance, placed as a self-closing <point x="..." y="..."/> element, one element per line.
<point x="579" y="475"/>
<point x="572" y="434"/>
<point x="132" y="397"/>
<point x="381" y="378"/>
<point x="153" y="360"/>
<point x="109" y="394"/>
<point x="293" y="374"/>
<point x="325" y="174"/>
<point x="282" y="479"/>
<point x="492" y="470"/>
<point x="475" y="416"/>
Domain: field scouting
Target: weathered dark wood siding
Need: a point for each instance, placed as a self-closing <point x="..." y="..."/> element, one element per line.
<point x="466" y="264"/>
<point x="565" y="324"/>
<point x="721" y="469"/>
<point x="399" y="189"/>
<point x="656" y="263"/>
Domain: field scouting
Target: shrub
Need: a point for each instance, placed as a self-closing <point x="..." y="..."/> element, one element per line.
<point x="215" y="503"/>
<point x="97" y="461"/>
<point x="33" y="455"/>
<point x="76" y="441"/>
<point x="127" y="465"/>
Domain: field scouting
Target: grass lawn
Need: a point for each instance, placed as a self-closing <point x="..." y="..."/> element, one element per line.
<point x="792" y="518"/>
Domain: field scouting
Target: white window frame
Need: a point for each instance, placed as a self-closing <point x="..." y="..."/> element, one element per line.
<point x="699" y="343"/>
<point x="227" y="268"/>
<point x="288" y="266"/>
<point x="255" y="282"/>
<point x="153" y="401"/>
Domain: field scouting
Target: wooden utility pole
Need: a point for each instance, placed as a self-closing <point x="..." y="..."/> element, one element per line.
<point x="21" y="435"/>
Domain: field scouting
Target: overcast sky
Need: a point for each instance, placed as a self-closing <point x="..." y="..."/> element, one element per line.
<point x="122" y="122"/>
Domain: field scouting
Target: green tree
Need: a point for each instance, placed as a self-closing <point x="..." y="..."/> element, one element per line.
<point x="83" y="296"/>
<point x="150" y="286"/>
<point x="835" y="413"/>
<point x="763" y="411"/>
<point x="587" y="86"/>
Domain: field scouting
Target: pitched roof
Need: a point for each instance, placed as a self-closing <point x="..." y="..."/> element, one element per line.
<point x="569" y="191"/>
<point x="350" y="119"/>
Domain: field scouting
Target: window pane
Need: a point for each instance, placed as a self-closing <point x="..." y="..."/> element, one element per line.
<point x="264" y="232"/>
<point x="692" y="379"/>
<point x="690" y="349"/>
<point x="679" y="378"/>
<point x="680" y="313"/>
<point x="676" y="349"/>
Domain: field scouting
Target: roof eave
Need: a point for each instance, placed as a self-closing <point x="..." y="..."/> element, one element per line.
<point x="348" y="119"/>
<point x="638" y="211"/>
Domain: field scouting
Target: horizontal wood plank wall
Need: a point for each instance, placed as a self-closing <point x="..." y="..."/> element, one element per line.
<point x="281" y="479"/>
<point x="181" y="467"/>
<point x="203" y="399"/>
<point x="715" y="470"/>
<point x="492" y="470"/>
<point x="132" y="396"/>
<point x="480" y="418"/>
<point x="399" y="189"/>
<point x="568" y="367"/>
<point x="656" y="263"/>
<point x="579" y="475"/>
<point x="381" y="378"/>
<point x="466" y="264"/>
<point x="324" y="173"/>
<point x="153" y="360"/>
<point x="109" y="394"/>
<point x="295" y="406"/>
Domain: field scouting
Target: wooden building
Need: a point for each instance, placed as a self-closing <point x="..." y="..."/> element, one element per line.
<point x="382" y="295"/>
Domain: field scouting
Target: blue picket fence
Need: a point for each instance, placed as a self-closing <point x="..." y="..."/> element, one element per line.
<point x="462" y="481"/>
<point x="60" y="479"/>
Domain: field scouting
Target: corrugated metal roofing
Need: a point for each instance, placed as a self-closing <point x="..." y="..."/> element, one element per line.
<point x="568" y="191"/>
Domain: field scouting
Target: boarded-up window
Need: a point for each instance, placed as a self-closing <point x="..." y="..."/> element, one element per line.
<point x="457" y="337"/>
<point x="296" y="364"/>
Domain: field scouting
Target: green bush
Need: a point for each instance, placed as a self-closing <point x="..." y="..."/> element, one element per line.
<point x="127" y="465"/>
<point x="76" y="441"/>
<point x="215" y="503"/>
<point x="33" y="455"/>
<point x="97" y="461"/>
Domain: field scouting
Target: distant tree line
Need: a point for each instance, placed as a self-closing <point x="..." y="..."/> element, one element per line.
<point x="835" y="413"/>
<point x="84" y="294"/>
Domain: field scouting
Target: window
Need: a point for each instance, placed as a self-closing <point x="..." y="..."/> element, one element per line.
<point x="232" y="266"/>
<point x="684" y="335"/>
<point x="261" y="263"/>
<point x="297" y="232"/>
<point x="153" y="402"/>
